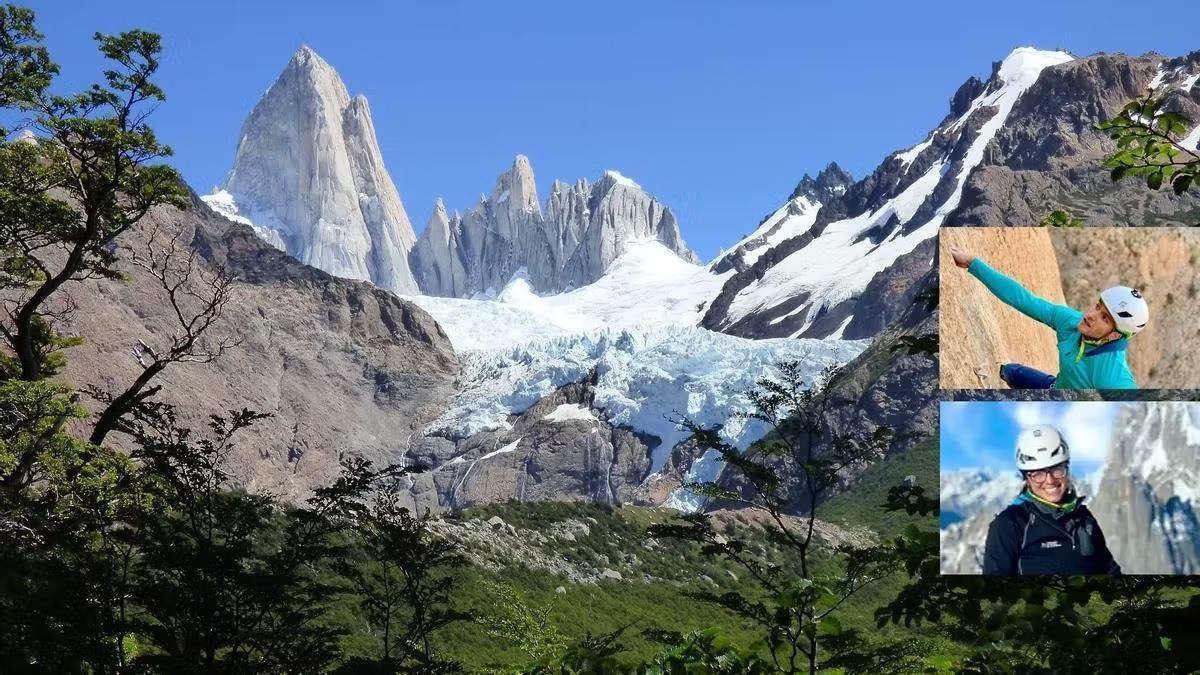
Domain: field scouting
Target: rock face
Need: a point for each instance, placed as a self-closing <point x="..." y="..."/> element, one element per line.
<point x="978" y="331"/>
<point x="809" y="284"/>
<point x="1162" y="264"/>
<point x="1148" y="502"/>
<point x="309" y="175"/>
<point x="345" y="369"/>
<point x="1049" y="155"/>
<point x="560" y="448"/>
<point x="582" y="230"/>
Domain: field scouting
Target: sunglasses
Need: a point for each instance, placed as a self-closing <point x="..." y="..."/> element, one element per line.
<point x="1040" y="475"/>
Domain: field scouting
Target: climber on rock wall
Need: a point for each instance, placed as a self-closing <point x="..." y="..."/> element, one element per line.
<point x="1091" y="344"/>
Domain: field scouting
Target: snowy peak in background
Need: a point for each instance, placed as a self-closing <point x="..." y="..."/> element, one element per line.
<point x="1148" y="502"/>
<point x="845" y="271"/>
<point x="829" y="184"/>
<point x="967" y="492"/>
<point x="309" y="177"/>
<point x="791" y="219"/>
<point x="570" y="243"/>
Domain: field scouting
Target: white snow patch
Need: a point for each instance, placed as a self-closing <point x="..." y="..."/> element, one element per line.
<point x="909" y="155"/>
<point x="837" y="334"/>
<point x="1192" y="139"/>
<point x="621" y="179"/>
<point x="571" y="411"/>
<point x="1158" y="78"/>
<point x="507" y="448"/>
<point x="265" y="225"/>
<point x="649" y="285"/>
<point x="777" y="228"/>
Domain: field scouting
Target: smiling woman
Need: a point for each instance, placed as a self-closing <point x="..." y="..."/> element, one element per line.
<point x="1065" y="487"/>
<point x="1047" y="529"/>
<point x="1125" y="295"/>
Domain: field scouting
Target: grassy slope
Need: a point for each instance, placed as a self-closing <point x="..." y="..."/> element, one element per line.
<point x="662" y="603"/>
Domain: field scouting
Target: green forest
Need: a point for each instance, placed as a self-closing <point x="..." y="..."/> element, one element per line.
<point x="125" y="547"/>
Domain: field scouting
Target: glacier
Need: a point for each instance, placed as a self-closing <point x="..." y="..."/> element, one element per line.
<point x="636" y="329"/>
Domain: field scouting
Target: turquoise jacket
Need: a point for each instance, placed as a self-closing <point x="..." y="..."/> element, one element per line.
<point x="1101" y="367"/>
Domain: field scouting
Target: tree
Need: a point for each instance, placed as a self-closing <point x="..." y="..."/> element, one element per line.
<point x="1060" y="218"/>
<point x="197" y="298"/>
<point x="229" y="580"/>
<point x="400" y="575"/>
<point x="86" y="179"/>
<point x="784" y="475"/>
<point x="529" y="629"/>
<point x="66" y="195"/>
<point x="1150" y="143"/>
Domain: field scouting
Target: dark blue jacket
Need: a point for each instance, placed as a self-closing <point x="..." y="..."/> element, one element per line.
<point x="1033" y="538"/>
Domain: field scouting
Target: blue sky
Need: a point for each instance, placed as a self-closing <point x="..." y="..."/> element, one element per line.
<point x="984" y="433"/>
<point x="716" y="108"/>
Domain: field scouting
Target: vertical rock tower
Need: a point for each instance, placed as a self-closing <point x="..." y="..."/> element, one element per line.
<point x="308" y="173"/>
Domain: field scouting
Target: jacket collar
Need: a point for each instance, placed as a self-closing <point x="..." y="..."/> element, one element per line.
<point x="1070" y="502"/>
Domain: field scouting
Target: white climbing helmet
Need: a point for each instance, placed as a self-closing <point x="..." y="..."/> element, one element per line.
<point x="1041" y="446"/>
<point x="1127" y="307"/>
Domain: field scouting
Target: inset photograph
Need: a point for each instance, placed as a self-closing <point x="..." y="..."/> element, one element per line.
<point x="1053" y="487"/>
<point x="1069" y="308"/>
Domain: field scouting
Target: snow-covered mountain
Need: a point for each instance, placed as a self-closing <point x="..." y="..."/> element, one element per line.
<point x="811" y="284"/>
<point x="570" y="243"/>
<point x="967" y="492"/>
<point x="790" y="220"/>
<point x="309" y="177"/>
<point x="1148" y="502"/>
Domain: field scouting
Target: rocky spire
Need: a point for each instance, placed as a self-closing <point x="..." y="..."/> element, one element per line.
<point x="439" y="248"/>
<point x="583" y="229"/>
<point x="829" y="183"/>
<point x="308" y="168"/>
<point x="1147" y="496"/>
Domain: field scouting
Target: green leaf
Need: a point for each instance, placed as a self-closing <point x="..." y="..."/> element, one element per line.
<point x="831" y="626"/>
<point x="1154" y="180"/>
<point x="1118" y="173"/>
<point x="1181" y="183"/>
<point x="1166" y="643"/>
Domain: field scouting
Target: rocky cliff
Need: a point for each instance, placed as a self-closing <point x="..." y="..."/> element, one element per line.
<point x="978" y="331"/>
<point x="1049" y="155"/>
<point x="810" y="283"/>
<point x="344" y="369"/>
<point x="308" y="175"/>
<point x="570" y="243"/>
<point x="1162" y="264"/>
<point x="887" y="385"/>
<point x="1148" y="501"/>
<point x="560" y="448"/>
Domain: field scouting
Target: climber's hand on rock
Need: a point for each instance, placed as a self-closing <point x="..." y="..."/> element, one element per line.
<point x="961" y="257"/>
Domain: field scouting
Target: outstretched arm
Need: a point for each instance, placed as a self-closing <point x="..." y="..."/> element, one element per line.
<point x="1013" y="294"/>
